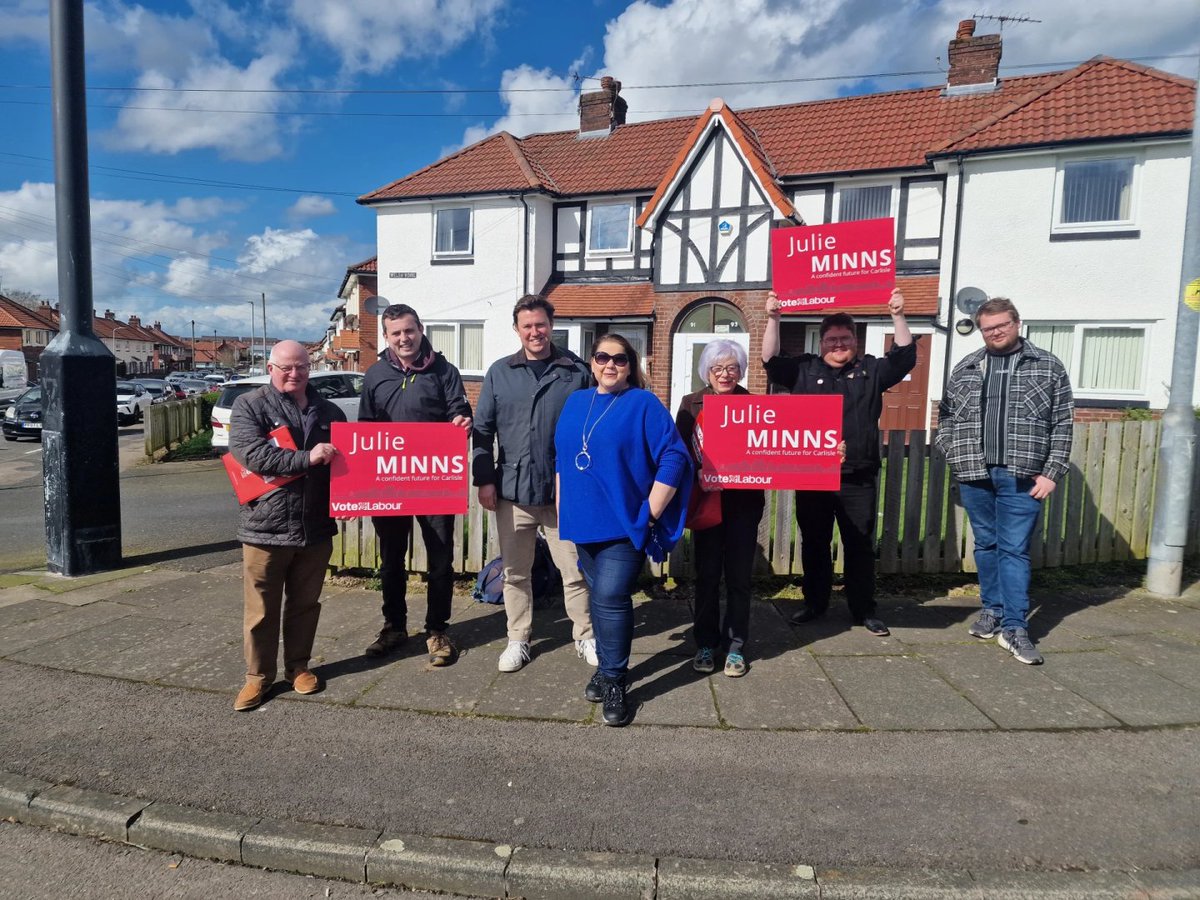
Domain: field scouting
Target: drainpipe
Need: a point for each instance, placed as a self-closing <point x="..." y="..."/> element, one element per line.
<point x="958" y="216"/>
<point x="525" y="247"/>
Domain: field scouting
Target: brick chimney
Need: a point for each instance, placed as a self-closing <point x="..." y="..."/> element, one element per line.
<point x="603" y="110"/>
<point x="109" y="314"/>
<point x="135" y="321"/>
<point x="974" y="60"/>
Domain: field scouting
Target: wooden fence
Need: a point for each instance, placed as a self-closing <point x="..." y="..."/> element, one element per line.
<point x="1101" y="512"/>
<point x="166" y="424"/>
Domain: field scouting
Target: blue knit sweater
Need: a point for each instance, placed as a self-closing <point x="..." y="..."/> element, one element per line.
<point x="635" y="445"/>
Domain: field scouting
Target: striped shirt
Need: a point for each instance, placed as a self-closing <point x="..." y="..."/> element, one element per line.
<point x="997" y="378"/>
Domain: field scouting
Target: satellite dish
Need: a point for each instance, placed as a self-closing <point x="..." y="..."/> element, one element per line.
<point x="969" y="299"/>
<point x="379" y="304"/>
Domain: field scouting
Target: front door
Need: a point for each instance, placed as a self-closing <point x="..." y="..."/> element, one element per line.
<point x="906" y="405"/>
<point x="686" y="348"/>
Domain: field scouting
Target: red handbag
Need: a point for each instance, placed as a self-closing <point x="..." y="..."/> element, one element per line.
<point x="704" y="507"/>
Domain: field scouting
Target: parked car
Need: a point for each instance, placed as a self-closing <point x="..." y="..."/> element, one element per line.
<point x="132" y="402"/>
<point x="159" y="390"/>
<point x="195" y="386"/>
<point x="343" y="388"/>
<point x="24" y="417"/>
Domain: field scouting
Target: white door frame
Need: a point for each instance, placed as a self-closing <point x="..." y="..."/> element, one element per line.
<point x="684" y="358"/>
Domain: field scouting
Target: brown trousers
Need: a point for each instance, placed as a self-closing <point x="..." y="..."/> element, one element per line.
<point x="269" y="575"/>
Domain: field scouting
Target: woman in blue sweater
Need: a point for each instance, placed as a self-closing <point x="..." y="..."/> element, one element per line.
<point x="623" y="480"/>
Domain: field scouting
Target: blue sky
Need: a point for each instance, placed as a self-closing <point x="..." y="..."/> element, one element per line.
<point x="228" y="140"/>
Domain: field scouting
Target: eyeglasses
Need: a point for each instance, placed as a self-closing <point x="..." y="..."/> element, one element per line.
<point x="620" y="360"/>
<point x="996" y="329"/>
<point x="287" y="370"/>
<point x="838" y="341"/>
<point x="725" y="370"/>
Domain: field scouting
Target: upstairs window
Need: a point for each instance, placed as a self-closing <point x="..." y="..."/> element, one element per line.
<point x="610" y="228"/>
<point x="452" y="231"/>
<point x="857" y="203"/>
<point x="1095" y="195"/>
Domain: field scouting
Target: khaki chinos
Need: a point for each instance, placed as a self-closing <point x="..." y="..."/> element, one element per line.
<point x="287" y="578"/>
<point x="517" y="526"/>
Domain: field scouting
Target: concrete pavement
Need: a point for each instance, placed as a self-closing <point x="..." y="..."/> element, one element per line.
<point x="864" y="751"/>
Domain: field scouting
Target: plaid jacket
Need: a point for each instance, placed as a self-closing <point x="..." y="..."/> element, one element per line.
<point x="1040" y="413"/>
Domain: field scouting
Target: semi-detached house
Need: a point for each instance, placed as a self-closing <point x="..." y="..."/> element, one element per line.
<point x="1065" y="191"/>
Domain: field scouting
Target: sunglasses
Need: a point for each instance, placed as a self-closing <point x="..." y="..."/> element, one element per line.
<point x="620" y="360"/>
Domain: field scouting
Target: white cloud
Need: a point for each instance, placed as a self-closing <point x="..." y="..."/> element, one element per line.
<point x="526" y="90"/>
<point x="311" y="207"/>
<point x="371" y="35"/>
<point x="24" y="20"/>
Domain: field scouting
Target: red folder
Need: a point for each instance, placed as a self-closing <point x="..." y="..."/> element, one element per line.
<point x="249" y="485"/>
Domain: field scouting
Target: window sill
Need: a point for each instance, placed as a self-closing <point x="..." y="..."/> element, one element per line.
<point x="452" y="261"/>
<point x="1115" y="234"/>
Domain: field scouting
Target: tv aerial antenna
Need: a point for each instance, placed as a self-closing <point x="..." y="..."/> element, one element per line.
<point x="1007" y="20"/>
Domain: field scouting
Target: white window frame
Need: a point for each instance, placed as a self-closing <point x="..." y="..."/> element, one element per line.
<point x="1075" y="363"/>
<point x="893" y="197"/>
<point x="454" y="254"/>
<point x="456" y="359"/>
<point x="1060" y="174"/>
<point x="627" y="249"/>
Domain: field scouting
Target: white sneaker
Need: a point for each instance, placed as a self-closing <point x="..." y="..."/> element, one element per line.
<point x="586" y="650"/>
<point x="515" y="655"/>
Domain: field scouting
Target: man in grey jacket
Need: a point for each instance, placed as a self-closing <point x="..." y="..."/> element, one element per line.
<point x="519" y="406"/>
<point x="287" y="533"/>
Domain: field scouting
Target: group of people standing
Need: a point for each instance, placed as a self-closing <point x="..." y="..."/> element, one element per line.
<point x="583" y="453"/>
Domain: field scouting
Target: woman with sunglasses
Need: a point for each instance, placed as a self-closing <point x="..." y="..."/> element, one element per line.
<point x="727" y="546"/>
<point x="623" y="482"/>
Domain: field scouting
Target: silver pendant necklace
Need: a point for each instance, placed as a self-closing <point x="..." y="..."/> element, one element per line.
<point x="583" y="459"/>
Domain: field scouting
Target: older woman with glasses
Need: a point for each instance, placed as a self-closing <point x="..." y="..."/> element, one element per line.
<point x="623" y="478"/>
<point x="726" y="548"/>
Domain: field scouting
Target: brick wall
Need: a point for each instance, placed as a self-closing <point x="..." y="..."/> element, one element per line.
<point x="368" y="323"/>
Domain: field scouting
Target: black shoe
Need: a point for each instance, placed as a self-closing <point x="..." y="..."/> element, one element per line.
<point x="594" y="692"/>
<point x="807" y="613"/>
<point x="389" y="640"/>
<point x="874" y="626"/>
<point x="616" y="705"/>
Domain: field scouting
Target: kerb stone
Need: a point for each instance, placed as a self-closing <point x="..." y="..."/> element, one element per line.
<point x="83" y="812"/>
<point x="439" y="864"/>
<point x="700" y="879"/>
<point x="887" y="884"/>
<point x="195" y="832"/>
<point x="554" y="875"/>
<point x="331" y="851"/>
<point x="1056" y="885"/>
<point x="16" y="791"/>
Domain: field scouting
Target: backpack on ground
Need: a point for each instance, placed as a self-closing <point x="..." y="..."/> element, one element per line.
<point x="545" y="577"/>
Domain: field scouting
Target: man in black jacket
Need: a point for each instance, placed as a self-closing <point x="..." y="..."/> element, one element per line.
<point x="287" y="533"/>
<point x="412" y="382"/>
<point x="861" y="380"/>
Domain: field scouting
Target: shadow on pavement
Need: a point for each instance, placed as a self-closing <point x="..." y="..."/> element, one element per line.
<point x="160" y="556"/>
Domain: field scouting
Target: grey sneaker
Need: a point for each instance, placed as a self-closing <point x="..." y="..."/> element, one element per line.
<point x="1016" y="641"/>
<point x="986" y="626"/>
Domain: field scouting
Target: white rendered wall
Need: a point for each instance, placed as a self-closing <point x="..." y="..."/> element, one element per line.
<point x="1006" y="250"/>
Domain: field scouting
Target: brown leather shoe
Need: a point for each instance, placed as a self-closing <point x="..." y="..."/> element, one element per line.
<point x="441" y="651"/>
<point x="389" y="641"/>
<point x="305" y="682"/>
<point x="251" y="695"/>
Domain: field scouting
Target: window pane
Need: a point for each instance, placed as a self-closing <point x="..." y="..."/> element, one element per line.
<point x="1097" y="190"/>
<point x="865" y="203"/>
<point x="442" y="338"/>
<point x="1056" y="339"/>
<point x="471" y="339"/>
<point x="608" y="228"/>
<point x="453" y="230"/>
<point x="1112" y="359"/>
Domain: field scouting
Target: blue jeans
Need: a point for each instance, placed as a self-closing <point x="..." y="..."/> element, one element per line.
<point x="1003" y="517"/>
<point x="611" y="569"/>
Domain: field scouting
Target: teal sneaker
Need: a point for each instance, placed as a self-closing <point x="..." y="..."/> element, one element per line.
<point x="735" y="665"/>
<point x="703" y="660"/>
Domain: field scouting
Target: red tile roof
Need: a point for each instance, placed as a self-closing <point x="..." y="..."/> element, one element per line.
<point x="14" y="315"/>
<point x="894" y="130"/>
<point x="595" y="301"/>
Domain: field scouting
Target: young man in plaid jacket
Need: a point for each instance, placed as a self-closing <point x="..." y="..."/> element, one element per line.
<point x="1004" y="424"/>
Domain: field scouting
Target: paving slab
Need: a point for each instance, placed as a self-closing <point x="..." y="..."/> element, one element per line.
<point x="412" y="683"/>
<point x="194" y="832"/>
<point x="15" y="793"/>
<point x="550" y="686"/>
<point x="1132" y="693"/>
<point x="348" y="673"/>
<point x="662" y="626"/>
<point x="1011" y="694"/>
<point x="330" y="851"/>
<point x="559" y="875"/>
<point x="224" y="671"/>
<point x="92" y="649"/>
<point x="1164" y="885"/>
<point x="834" y="635"/>
<point x="1169" y="656"/>
<point x="703" y="879"/>
<point x="351" y="613"/>
<point x="20" y="594"/>
<point x="1159" y="614"/>
<point x="28" y="610"/>
<point x="899" y="692"/>
<point x="789" y="691"/>
<point x="1096" y="621"/>
<point x="666" y="690"/>
<point x="23" y="635"/>
<point x="439" y="864"/>
<point x="114" y="589"/>
<point x="83" y="812"/>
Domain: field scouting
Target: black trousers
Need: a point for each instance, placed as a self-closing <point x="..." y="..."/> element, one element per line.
<point x="438" y="534"/>
<point x="726" y="549"/>
<point x="854" y="509"/>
